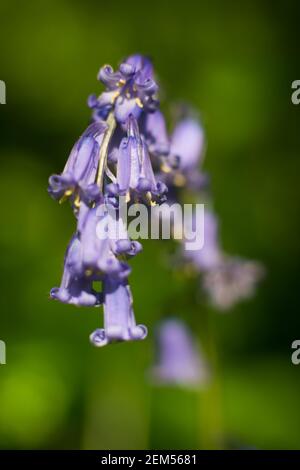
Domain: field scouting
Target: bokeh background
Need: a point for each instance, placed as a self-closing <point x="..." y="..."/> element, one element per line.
<point x="235" y="63"/>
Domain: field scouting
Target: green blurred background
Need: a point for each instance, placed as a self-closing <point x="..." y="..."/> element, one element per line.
<point x="235" y="63"/>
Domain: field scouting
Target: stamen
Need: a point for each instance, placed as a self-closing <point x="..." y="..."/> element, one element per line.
<point x="165" y="168"/>
<point x="110" y="174"/>
<point x="149" y="199"/>
<point x="139" y="103"/>
<point x="67" y="193"/>
<point x="115" y="96"/>
<point x="179" y="180"/>
<point x="77" y="201"/>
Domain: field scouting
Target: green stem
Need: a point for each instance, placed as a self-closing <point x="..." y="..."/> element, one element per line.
<point x="111" y="123"/>
<point x="212" y="432"/>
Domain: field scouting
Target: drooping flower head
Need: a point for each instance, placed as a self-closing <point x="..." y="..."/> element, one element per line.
<point x="110" y="160"/>
<point x="127" y="153"/>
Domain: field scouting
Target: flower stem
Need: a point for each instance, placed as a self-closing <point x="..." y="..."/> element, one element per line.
<point x="211" y="427"/>
<point x="111" y="123"/>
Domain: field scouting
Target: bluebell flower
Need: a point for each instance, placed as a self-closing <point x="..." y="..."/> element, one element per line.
<point x="134" y="168"/>
<point x="188" y="142"/>
<point x="126" y="151"/>
<point x="179" y="358"/>
<point x="129" y="91"/>
<point x="210" y="255"/>
<point x="97" y="249"/>
<point x="156" y="134"/>
<point x="182" y="168"/>
<point x="119" y="321"/>
<point x="81" y="167"/>
<point x="92" y="255"/>
<point x="75" y="288"/>
<point x="111" y="159"/>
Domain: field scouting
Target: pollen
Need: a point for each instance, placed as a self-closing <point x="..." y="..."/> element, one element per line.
<point x="149" y="199"/>
<point x="67" y="193"/>
<point x="114" y="97"/>
<point x="139" y="103"/>
<point x="77" y="201"/>
<point x="179" y="180"/>
<point x="165" y="168"/>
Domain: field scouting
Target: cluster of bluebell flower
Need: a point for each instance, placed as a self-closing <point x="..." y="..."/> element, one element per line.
<point x="126" y="151"/>
<point x="111" y="159"/>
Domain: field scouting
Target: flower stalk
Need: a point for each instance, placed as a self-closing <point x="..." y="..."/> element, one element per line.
<point x="111" y="125"/>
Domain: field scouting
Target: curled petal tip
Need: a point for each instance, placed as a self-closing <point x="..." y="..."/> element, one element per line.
<point x="59" y="294"/>
<point x="139" y="332"/>
<point x="128" y="247"/>
<point x="144" y="185"/>
<point x="127" y="69"/>
<point x="101" y="337"/>
<point x="92" y="101"/>
<point x="112" y="189"/>
<point x="98" y="338"/>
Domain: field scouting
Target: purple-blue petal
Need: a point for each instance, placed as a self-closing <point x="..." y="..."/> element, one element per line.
<point x="119" y="321"/>
<point x="188" y="142"/>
